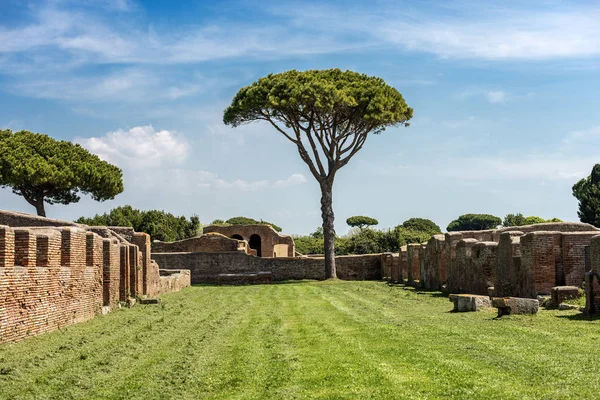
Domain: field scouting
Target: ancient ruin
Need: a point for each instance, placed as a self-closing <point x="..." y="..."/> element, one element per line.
<point x="515" y="262"/>
<point x="56" y="273"/>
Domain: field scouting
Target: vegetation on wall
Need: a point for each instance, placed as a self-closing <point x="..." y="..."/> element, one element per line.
<point x="520" y="220"/>
<point x="244" y="221"/>
<point x="327" y="115"/>
<point x="44" y="170"/>
<point x="160" y="225"/>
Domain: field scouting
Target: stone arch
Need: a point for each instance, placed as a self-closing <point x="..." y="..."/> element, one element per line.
<point x="255" y="243"/>
<point x="236" y="236"/>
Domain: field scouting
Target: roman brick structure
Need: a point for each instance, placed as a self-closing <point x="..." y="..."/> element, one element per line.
<point x="53" y="274"/>
<point x="263" y="239"/>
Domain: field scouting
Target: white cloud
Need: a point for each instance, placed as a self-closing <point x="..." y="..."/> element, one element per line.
<point x="496" y="96"/>
<point x="532" y="31"/>
<point x="139" y="147"/>
<point x="582" y="135"/>
<point x="240" y="184"/>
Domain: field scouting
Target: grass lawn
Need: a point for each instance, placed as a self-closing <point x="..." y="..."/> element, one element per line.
<point x="330" y="340"/>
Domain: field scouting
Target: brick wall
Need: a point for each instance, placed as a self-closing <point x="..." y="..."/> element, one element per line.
<point x="457" y="279"/>
<point x="49" y="287"/>
<point x="55" y="276"/>
<point x="172" y="281"/>
<point x="209" y="243"/>
<point x="153" y="278"/>
<point x="592" y="287"/>
<point x="573" y="257"/>
<point x="205" y="266"/>
<point x="18" y="219"/>
<point x="508" y="263"/>
<point x="481" y="274"/>
<point x="269" y="237"/>
<point x="435" y="264"/>
<point x="412" y="258"/>
<point x="111" y="271"/>
<point x="403" y="263"/>
<point x="142" y="241"/>
<point x="394" y="268"/>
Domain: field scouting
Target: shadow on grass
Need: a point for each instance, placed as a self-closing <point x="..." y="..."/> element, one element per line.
<point x="580" y="317"/>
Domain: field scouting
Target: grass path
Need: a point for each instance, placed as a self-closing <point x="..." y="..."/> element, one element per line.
<point x="328" y="340"/>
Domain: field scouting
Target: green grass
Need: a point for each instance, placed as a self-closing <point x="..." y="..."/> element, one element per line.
<point x="329" y="340"/>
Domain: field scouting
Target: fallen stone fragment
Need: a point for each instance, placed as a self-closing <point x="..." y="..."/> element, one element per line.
<point x="562" y="293"/>
<point x="515" y="305"/>
<point x="544" y="301"/>
<point x="469" y="302"/>
<point x="564" y="306"/>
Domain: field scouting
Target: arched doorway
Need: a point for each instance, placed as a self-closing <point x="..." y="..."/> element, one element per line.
<point x="254" y="243"/>
<point x="238" y="237"/>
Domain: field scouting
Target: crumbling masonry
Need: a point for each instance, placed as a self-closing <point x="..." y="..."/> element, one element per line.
<point x="524" y="261"/>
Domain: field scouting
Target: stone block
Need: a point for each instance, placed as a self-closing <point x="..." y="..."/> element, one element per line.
<point x="515" y="305"/>
<point x="562" y="293"/>
<point x="469" y="302"/>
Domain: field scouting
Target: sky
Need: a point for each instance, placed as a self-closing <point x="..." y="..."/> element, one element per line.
<point x="505" y="99"/>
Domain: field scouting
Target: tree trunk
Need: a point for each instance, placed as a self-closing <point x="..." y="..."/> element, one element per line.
<point x="328" y="228"/>
<point x="39" y="207"/>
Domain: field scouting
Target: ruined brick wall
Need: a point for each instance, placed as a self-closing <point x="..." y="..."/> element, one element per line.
<point x="451" y="239"/>
<point x="481" y="274"/>
<point x="573" y="251"/>
<point x="125" y="232"/>
<point x="592" y="277"/>
<point x="394" y="267"/>
<point x="403" y="263"/>
<point x="18" y="219"/>
<point x="508" y="265"/>
<point x="435" y="263"/>
<point x="142" y="241"/>
<point x="205" y="266"/>
<point x="412" y="258"/>
<point x="457" y="276"/>
<point x="111" y="271"/>
<point x="48" y="280"/>
<point x="547" y="227"/>
<point x="153" y="278"/>
<point x="269" y="237"/>
<point x="423" y="260"/>
<point x="207" y="243"/>
<point x="538" y="267"/>
<point x="172" y="281"/>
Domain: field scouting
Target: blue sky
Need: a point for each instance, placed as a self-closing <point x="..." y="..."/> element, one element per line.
<point x="505" y="99"/>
